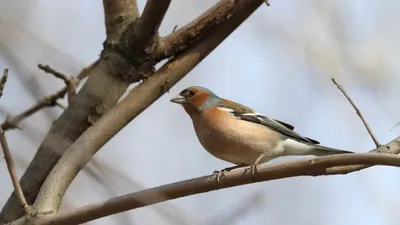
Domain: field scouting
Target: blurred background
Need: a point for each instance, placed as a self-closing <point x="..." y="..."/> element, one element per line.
<point x="279" y="62"/>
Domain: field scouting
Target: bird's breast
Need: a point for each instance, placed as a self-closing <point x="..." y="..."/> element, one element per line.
<point x="233" y="140"/>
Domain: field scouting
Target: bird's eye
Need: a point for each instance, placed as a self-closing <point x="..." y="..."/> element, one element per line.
<point x="192" y="92"/>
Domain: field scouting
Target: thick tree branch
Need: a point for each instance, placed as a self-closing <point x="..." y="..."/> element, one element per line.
<point x="150" y="21"/>
<point x="118" y="15"/>
<point x="374" y="139"/>
<point x="118" y="66"/>
<point x="315" y="166"/>
<point x="110" y="77"/>
<point x="202" y="26"/>
<point x="7" y="154"/>
<point x="138" y="99"/>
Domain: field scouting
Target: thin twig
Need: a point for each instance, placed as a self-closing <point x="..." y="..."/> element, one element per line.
<point x="3" y="81"/>
<point x="340" y="87"/>
<point x="47" y="101"/>
<point x="11" y="170"/>
<point x="48" y="69"/>
<point x="63" y="107"/>
<point x="267" y="2"/>
<point x="7" y="154"/>
<point x="174" y="29"/>
<point x="394" y="126"/>
<point x="70" y="81"/>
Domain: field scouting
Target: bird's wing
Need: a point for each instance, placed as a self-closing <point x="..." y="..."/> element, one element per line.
<point x="241" y="112"/>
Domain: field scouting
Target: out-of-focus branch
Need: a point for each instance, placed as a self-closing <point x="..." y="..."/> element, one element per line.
<point x="120" y="64"/>
<point x="3" y="81"/>
<point x="394" y="126"/>
<point x="238" y="211"/>
<point x="141" y="97"/>
<point x="110" y="77"/>
<point x="7" y="154"/>
<point x="104" y="173"/>
<point x="315" y="166"/>
<point x="374" y="139"/>
<point x="118" y="15"/>
<point x="203" y="26"/>
<point x="47" y="101"/>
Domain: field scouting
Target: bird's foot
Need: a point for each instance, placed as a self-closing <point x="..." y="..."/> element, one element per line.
<point x="221" y="172"/>
<point x="253" y="169"/>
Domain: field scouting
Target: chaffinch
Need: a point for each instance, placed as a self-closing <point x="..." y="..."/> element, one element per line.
<point x="237" y="134"/>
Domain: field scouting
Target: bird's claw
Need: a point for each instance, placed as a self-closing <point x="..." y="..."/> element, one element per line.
<point x="253" y="169"/>
<point x="219" y="174"/>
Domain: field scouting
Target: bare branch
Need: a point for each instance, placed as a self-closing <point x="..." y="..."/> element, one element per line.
<point x="203" y="26"/>
<point x="7" y="154"/>
<point x="81" y="151"/>
<point x="47" y="101"/>
<point x="70" y="81"/>
<point x="3" y="81"/>
<point x="151" y="19"/>
<point x="234" y="214"/>
<point x="394" y="126"/>
<point x="358" y="113"/>
<point x="48" y="69"/>
<point x="11" y="170"/>
<point x="118" y="14"/>
<point x="115" y="70"/>
<point x="316" y="166"/>
<point x="104" y="174"/>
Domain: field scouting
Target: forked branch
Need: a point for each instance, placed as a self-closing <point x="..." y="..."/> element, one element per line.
<point x="340" y="87"/>
<point x="7" y="154"/>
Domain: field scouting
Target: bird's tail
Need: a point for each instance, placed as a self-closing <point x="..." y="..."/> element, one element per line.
<point x="319" y="150"/>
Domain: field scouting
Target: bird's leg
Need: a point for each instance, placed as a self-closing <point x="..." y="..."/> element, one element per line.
<point x="221" y="172"/>
<point x="254" y="166"/>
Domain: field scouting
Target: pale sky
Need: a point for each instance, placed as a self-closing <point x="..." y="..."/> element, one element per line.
<point x="279" y="62"/>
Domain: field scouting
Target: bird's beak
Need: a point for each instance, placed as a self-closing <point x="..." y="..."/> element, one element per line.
<point x="178" y="99"/>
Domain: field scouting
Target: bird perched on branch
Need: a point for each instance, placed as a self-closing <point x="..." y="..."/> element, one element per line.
<point x="237" y="134"/>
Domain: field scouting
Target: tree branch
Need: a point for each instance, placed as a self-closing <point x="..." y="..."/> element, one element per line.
<point x="118" y="15"/>
<point x="11" y="170"/>
<point x="111" y="75"/>
<point x="80" y="152"/>
<point x="47" y="101"/>
<point x="358" y="113"/>
<point x="70" y="81"/>
<point x="203" y="26"/>
<point x="3" y="81"/>
<point x="150" y="21"/>
<point x="315" y="166"/>
<point x="7" y="154"/>
<point x="119" y="65"/>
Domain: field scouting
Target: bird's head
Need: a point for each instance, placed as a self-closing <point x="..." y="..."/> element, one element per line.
<point x="196" y="98"/>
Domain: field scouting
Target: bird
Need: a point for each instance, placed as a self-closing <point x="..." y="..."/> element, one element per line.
<point x="238" y="134"/>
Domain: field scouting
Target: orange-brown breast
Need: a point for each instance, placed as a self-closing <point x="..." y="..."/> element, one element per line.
<point x="233" y="140"/>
